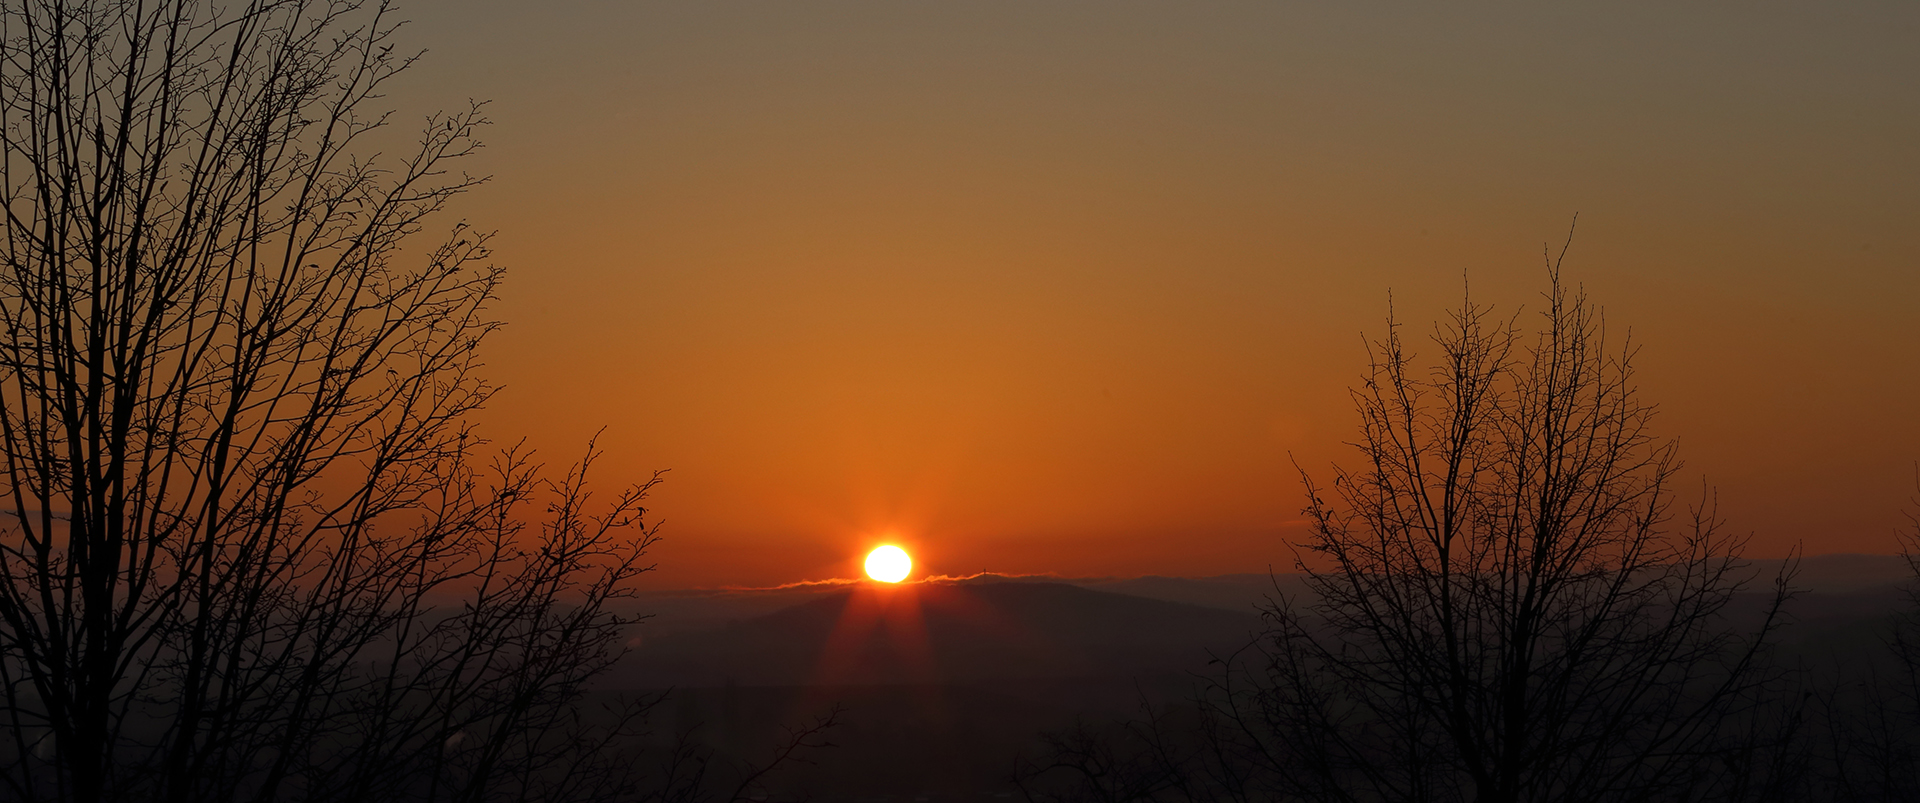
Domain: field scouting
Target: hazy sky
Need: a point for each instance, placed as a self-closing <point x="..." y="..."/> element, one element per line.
<point x="1068" y="286"/>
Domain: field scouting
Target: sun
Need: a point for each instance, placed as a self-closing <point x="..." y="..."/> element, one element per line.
<point x="889" y="564"/>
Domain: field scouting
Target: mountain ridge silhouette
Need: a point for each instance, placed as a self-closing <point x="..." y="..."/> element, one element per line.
<point x="943" y="633"/>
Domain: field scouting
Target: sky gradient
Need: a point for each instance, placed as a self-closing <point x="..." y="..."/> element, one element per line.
<point x="1070" y="286"/>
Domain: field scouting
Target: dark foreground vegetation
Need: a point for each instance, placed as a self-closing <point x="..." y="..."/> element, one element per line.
<point x="1836" y="720"/>
<point x="254" y="549"/>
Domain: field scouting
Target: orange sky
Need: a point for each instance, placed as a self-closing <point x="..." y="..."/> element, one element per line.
<point x="1061" y="286"/>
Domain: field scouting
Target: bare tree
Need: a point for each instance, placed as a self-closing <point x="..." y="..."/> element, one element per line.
<point x="253" y="549"/>
<point x="1505" y="606"/>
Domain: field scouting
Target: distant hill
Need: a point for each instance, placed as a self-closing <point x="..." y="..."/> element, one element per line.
<point x="941" y="683"/>
<point x="1233" y="592"/>
<point x="995" y="627"/>
<point x="1822" y="575"/>
<point x="1845" y="573"/>
<point x="942" y="633"/>
<point x="678" y="611"/>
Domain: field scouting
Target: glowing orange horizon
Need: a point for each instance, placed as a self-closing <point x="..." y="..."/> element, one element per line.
<point x="1093" y="333"/>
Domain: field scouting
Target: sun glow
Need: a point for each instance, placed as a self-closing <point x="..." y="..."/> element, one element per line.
<point x="889" y="564"/>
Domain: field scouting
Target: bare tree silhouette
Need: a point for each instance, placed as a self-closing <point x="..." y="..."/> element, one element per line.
<point x="1504" y="605"/>
<point x="1508" y="610"/>
<point x="254" y="548"/>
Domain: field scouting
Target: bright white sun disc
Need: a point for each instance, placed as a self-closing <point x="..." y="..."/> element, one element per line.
<point x="889" y="564"/>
